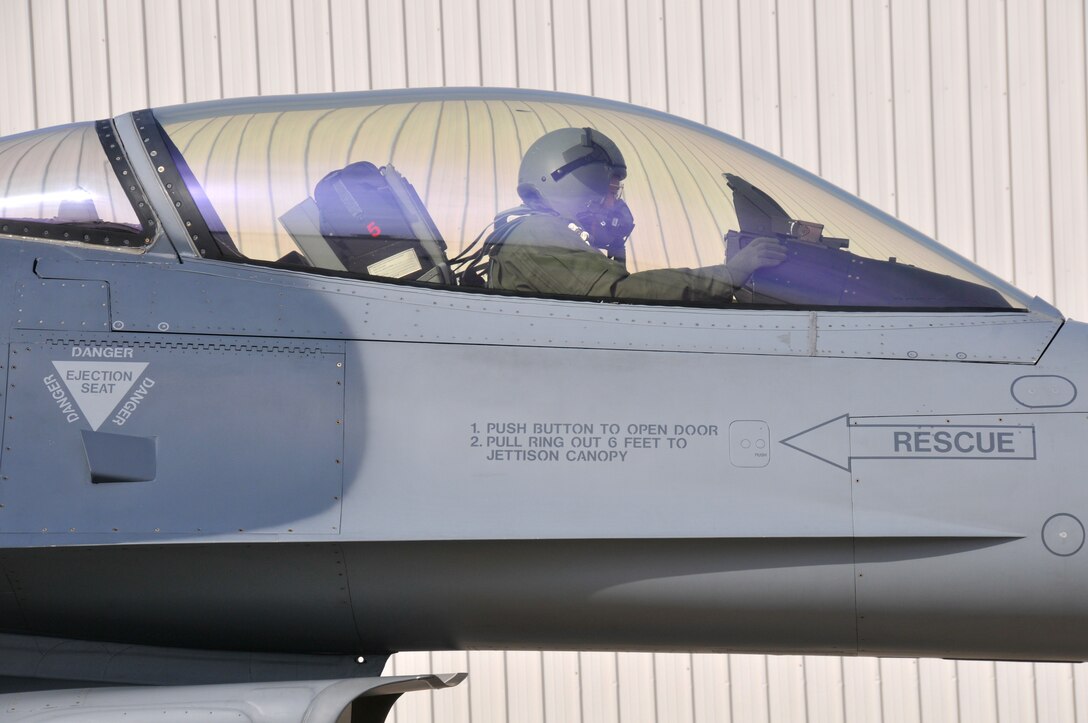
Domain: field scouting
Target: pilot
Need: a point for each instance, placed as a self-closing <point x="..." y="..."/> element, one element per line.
<point x="570" y="235"/>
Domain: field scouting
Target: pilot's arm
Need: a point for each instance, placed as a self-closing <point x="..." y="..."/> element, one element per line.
<point x="544" y="255"/>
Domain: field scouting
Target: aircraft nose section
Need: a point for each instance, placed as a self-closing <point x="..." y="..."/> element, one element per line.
<point x="1059" y="381"/>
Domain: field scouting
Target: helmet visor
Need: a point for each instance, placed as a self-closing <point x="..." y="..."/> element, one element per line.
<point x="600" y="150"/>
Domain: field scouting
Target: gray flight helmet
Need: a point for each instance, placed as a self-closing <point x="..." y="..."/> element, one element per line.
<point x="570" y="171"/>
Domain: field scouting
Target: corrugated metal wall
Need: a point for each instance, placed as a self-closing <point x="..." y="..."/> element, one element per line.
<point x="965" y="118"/>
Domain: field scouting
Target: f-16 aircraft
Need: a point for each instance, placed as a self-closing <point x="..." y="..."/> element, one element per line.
<point x="293" y="383"/>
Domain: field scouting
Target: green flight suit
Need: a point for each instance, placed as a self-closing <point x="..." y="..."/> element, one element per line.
<point x="541" y="254"/>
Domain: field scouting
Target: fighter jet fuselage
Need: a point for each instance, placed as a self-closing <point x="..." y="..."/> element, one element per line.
<point x="221" y="447"/>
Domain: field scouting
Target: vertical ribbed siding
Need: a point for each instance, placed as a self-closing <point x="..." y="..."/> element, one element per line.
<point x="966" y="118"/>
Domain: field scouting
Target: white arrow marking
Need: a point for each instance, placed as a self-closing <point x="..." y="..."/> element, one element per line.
<point x="828" y="442"/>
<point x="843" y="439"/>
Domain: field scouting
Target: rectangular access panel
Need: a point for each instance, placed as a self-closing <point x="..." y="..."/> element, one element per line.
<point x="196" y="434"/>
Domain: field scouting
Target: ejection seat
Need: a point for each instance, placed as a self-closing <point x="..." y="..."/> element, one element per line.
<point x="368" y="220"/>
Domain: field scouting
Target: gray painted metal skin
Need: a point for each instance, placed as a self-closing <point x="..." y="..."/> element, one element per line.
<point x="306" y="701"/>
<point x="302" y="476"/>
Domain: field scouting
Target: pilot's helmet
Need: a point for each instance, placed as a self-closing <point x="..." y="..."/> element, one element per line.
<point x="578" y="173"/>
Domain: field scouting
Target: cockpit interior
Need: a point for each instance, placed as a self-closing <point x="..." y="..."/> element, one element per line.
<point x="409" y="191"/>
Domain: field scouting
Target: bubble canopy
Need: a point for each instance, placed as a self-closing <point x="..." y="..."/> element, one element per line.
<point x="72" y="184"/>
<point x="423" y="187"/>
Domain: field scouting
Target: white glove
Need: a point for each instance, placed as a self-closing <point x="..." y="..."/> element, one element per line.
<point x="761" y="252"/>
